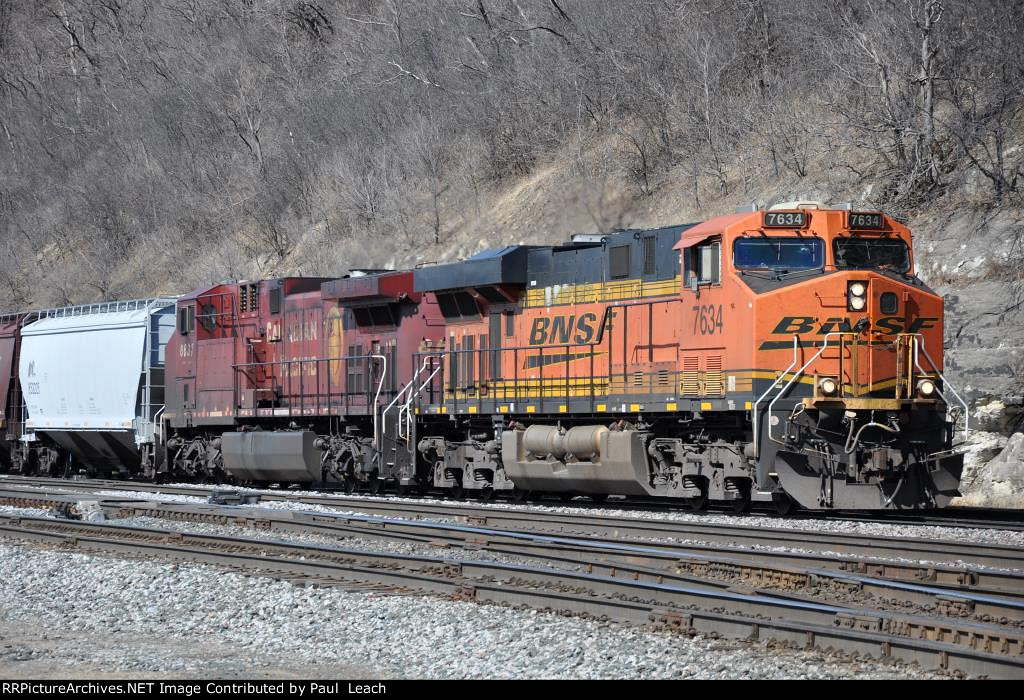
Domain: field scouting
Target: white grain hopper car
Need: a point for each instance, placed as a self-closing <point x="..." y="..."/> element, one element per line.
<point x="92" y="378"/>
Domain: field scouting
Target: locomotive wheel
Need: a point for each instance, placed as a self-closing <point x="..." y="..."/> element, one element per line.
<point x="784" y="505"/>
<point x="698" y="504"/>
<point x="741" y="506"/>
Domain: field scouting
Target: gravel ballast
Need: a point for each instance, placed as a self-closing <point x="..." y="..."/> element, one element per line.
<point x="189" y="619"/>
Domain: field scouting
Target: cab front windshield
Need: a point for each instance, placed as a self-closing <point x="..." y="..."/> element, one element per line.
<point x="779" y="254"/>
<point x="871" y="253"/>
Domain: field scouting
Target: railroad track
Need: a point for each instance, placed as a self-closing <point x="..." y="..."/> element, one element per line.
<point x="961" y="517"/>
<point x="957" y="592"/>
<point x="944" y="568"/>
<point x="895" y="551"/>
<point x="968" y="647"/>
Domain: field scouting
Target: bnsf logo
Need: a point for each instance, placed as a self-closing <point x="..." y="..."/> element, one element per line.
<point x="563" y="330"/>
<point x="887" y="324"/>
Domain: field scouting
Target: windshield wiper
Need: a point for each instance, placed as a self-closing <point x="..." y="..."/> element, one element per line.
<point x="778" y="273"/>
<point x="768" y="273"/>
<point x="816" y="270"/>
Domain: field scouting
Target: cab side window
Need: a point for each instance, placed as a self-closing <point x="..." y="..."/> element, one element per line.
<point x="186" y="320"/>
<point x="705" y="262"/>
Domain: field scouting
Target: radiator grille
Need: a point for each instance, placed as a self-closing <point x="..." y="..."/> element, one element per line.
<point x="690" y="382"/>
<point x="713" y="376"/>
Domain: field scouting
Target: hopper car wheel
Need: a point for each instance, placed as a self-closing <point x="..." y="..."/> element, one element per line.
<point x="599" y="497"/>
<point x="566" y="497"/>
<point x="351" y="485"/>
<point x="784" y="505"/>
<point x="520" y="495"/>
<point x="456" y="492"/>
<point x="487" y="493"/>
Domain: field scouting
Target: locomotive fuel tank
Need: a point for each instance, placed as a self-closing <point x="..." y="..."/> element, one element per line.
<point x="585" y="459"/>
<point x="286" y="456"/>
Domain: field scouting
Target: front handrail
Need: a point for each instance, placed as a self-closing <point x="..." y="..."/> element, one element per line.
<point x="796" y="375"/>
<point x="756" y="421"/>
<point x="945" y="382"/>
<point x="158" y="425"/>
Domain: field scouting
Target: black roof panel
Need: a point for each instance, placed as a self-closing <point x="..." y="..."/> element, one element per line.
<point x="496" y="266"/>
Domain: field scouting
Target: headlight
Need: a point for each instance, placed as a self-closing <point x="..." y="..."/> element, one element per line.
<point x="926" y="387"/>
<point x="856" y="296"/>
<point x="827" y="386"/>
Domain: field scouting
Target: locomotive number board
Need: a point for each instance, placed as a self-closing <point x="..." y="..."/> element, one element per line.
<point x="785" y="219"/>
<point x="864" y="221"/>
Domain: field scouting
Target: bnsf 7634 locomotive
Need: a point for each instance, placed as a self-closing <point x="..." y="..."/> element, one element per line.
<point x="788" y="355"/>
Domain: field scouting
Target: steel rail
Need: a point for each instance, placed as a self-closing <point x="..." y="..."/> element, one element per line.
<point x="940" y="552"/>
<point x="966" y="517"/>
<point x="952" y="591"/>
<point x="975" y="649"/>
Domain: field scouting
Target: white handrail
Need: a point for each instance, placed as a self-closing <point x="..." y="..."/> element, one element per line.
<point x="796" y="346"/>
<point x="406" y="389"/>
<point x="824" y="344"/>
<point x="407" y="407"/>
<point x="945" y="383"/>
<point x="380" y="385"/>
<point x="159" y="429"/>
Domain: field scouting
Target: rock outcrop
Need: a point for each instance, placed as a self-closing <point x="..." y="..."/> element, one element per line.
<point x="999" y="480"/>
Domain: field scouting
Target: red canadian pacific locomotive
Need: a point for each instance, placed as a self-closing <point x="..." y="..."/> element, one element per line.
<point x="787" y="356"/>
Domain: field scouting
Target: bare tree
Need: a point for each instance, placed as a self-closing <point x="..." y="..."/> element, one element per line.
<point x="179" y="135"/>
<point x="430" y="143"/>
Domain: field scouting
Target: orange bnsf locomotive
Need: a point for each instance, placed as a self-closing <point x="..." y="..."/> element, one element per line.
<point x="787" y="356"/>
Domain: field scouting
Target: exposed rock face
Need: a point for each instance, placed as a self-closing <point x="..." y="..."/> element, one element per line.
<point x="981" y="447"/>
<point x="995" y="416"/>
<point x="994" y="459"/>
<point x="972" y="258"/>
<point x="1000" y="481"/>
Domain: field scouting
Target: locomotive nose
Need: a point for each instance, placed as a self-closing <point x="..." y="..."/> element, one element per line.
<point x="878" y="347"/>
